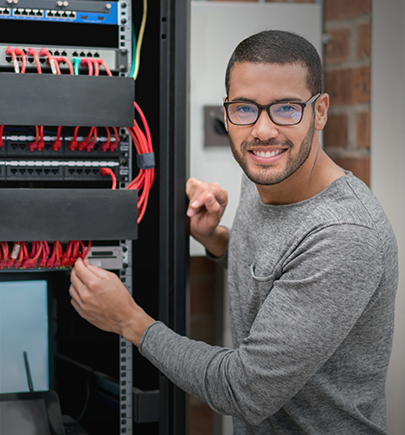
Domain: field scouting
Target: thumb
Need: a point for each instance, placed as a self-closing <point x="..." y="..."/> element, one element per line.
<point x="101" y="273"/>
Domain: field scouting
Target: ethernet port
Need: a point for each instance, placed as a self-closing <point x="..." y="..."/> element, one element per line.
<point x="13" y="171"/>
<point x="38" y="171"/>
<point x="82" y="54"/>
<point x="30" y="171"/>
<point x="80" y="171"/>
<point x="65" y="15"/>
<point x="56" y="53"/>
<point x="89" y="54"/>
<point x="49" y="14"/>
<point x="8" y="59"/>
<point x="71" y="171"/>
<point x="96" y="55"/>
<point x="39" y="13"/>
<point x="17" y="12"/>
<point x="21" y="171"/>
<point x="31" y="13"/>
<point x="74" y="54"/>
<point x="47" y="171"/>
<point x="72" y="15"/>
<point x="24" y="12"/>
<point x="64" y="54"/>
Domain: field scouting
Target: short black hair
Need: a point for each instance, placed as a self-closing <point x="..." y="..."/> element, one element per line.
<point x="279" y="47"/>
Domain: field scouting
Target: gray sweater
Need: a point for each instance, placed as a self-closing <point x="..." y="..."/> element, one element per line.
<point x="312" y="290"/>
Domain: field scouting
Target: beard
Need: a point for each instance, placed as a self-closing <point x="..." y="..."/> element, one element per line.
<point x="265" y="175"/>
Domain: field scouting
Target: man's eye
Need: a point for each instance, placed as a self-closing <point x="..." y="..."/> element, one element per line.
<point x="245" y="109"/>
<point x="285" y="108"/>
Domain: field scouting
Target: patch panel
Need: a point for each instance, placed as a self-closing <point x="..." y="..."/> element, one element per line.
<point x="58" y="170"/>
<point x="37" y="13"/>
<point x="61" y="14"/>
<point x="42" y="173"/>
<point x="109" y="56"/>
<point x="18" y="147"/>
<point x="107" y="16"/>
<point x="83" y="173"/>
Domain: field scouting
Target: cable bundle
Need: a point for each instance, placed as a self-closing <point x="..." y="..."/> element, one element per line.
<point x="19" y="257"/>
<point x="142" y="140"/>
<point x="146" y="162"/>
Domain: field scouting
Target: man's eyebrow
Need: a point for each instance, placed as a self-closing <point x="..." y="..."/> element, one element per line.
<point x="294" y="99"/>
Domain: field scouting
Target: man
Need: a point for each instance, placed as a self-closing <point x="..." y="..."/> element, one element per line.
<point x="312" y="266"/>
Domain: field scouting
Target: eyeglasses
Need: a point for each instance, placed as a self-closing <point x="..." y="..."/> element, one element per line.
<point x="248" y="112"/>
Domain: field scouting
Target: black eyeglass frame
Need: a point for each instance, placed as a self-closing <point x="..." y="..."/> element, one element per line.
<point x="267" y="108"/>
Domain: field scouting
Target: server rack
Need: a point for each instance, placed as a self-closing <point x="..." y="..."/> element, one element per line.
<point x="100" y="378"/>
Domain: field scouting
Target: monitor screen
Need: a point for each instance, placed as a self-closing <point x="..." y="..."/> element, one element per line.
<point x="23" y="328"/>
<point x="28" y="417"/>
<point x="32" y="413"/>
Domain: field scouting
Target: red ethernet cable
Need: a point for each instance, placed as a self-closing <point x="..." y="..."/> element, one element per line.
<point x="20" y="52"/>
<point x="109" y="171"/>
<point x="90" y="146"/>
<point x="73" y="142"/>
<point x="5" y="251"/>
<point x="11" y="51"/>
<point x="44" y="256"/>
<point x="66" y="256"/>
<point x="35" y="253"/>
<point x="67" y="61"/>
<point x="114" y="145"/>
<point x="101" y="62"/>
<point x="96" y="67"/>
<point x="34" y="145"/>
<point x="32" y="52"/>
<point x="41" y="143"/>
<point x="143" y="145"/>
<point x="89" y="64"/>
<point x="51" y="60"/>
<point x="22" y="255"/>
<point x="106" y="145"/>
<point x="1" y="135"/>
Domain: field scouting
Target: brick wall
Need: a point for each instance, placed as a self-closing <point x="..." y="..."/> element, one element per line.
<point x="347" y="59"/>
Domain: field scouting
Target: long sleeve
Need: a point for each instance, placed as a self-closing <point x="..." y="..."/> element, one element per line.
<point x="330" y="280"/>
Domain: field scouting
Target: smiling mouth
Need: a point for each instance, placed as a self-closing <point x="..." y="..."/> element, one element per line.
<point x="267" y="153"/>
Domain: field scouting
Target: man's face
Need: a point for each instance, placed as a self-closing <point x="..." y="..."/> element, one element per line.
<point x="270" y="153"/>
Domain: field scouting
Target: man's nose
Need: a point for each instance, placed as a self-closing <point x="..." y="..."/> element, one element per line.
<point x="265" y="128"/>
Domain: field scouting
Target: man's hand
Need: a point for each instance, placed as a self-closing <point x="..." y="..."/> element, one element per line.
<point x="101" y="298"/>
<point x="206" y="207"/>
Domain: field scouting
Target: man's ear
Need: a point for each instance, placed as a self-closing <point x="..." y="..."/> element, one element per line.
<point x="225" y="117"/>
<point x="321" y="111"/>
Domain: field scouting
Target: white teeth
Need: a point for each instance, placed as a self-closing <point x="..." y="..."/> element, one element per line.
<point x="267" y="153"/>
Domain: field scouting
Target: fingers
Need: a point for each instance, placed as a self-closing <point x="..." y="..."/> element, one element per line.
<point x="101" y="273"/>
<point x="212" y="197"/>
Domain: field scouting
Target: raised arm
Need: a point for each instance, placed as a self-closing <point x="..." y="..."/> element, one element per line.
<point x="206" y="207"/>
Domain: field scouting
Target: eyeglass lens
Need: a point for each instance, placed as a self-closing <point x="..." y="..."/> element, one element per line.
<point x="242" y="113"/>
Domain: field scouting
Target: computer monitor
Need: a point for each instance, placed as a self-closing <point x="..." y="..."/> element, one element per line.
<point x="24" y="328"/>
<point x="32" y="413"/>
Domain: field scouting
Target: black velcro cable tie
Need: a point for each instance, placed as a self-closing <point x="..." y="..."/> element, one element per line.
<point x="145" y="161"/>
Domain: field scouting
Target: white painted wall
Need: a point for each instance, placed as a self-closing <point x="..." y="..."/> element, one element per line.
<point x="216" y="29"/>
<point x="388" y="169"/>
